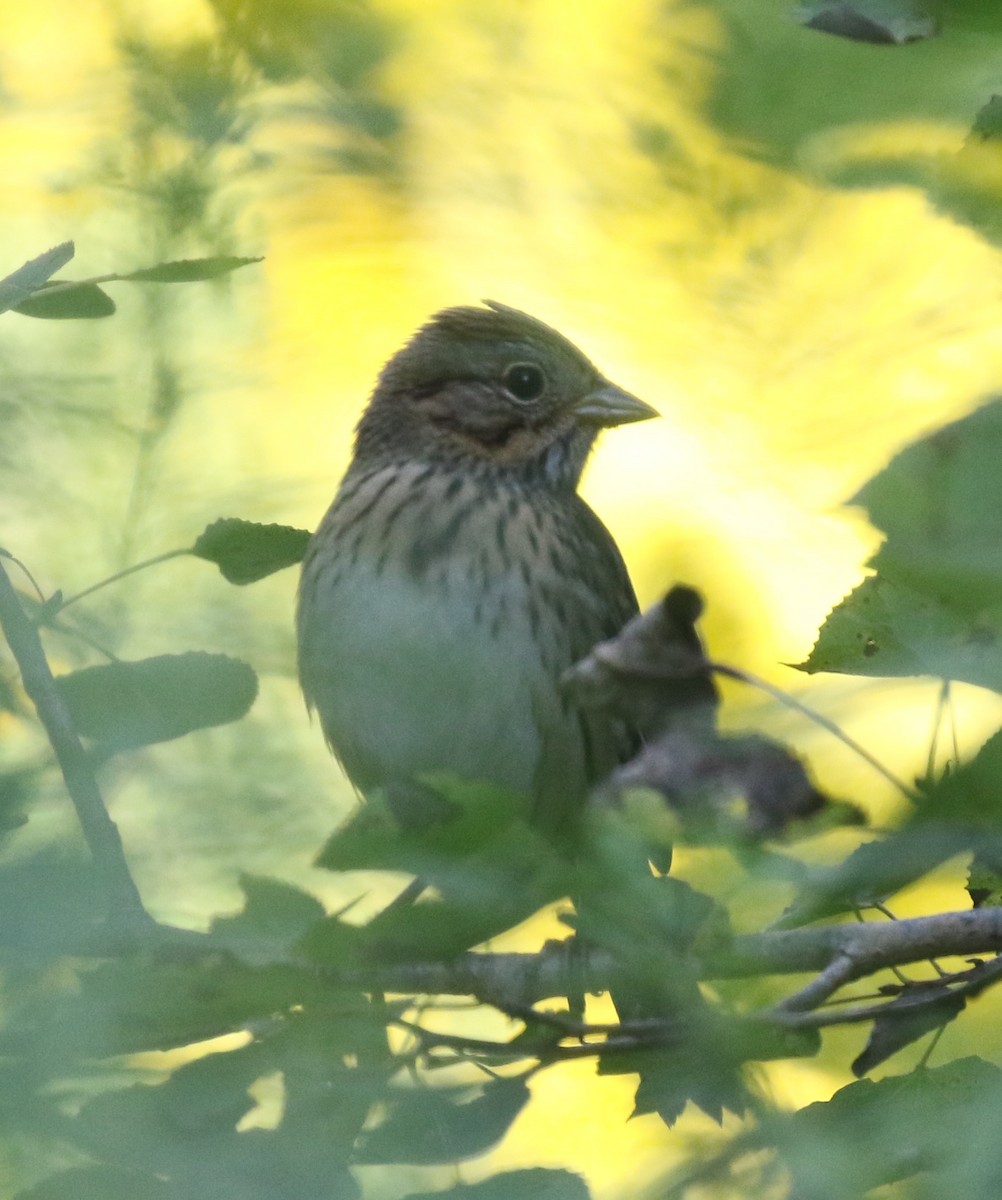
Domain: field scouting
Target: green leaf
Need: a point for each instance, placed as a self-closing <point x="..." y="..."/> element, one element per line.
<point x="534" y="1183"/>
<point x="668" y="1080"/>
<point x="134" y="1005"/>
<point x="919" y="1010"/>
<point x="123" y="705"/>
<point x="18" y="787"/>
<point x="969" y="796"/>
<point x="896" y="1127"/>
<point x="274" y="918"/>
<point x="875" y="871"/>
<point x="246" y="552"/>
<point x="184" y="1129"/>
<point x="984" y="881"/>
<point x="987" y="125"/>
<point x="957" y="814"/>
<point x="50" y="902"/>
<point x="491" y="870"/>
<point x="940" y="503"/>
<point x="880" y="22"/>
<point x="188" y="270"/>
<point x="458" y="819"/>
<point x="425" y="1126"/>
<point x="335" y="1064"/>
<point x="98" y="1183"/>
<point x="887" y="628"/>
<point x="19" y="285"/>
<point x="73" y="301"/>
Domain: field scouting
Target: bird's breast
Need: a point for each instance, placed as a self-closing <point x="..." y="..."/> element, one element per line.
<point x="429" y="636"/>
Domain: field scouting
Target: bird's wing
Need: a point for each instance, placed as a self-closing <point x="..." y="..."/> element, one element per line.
<point x="594" y="599"/>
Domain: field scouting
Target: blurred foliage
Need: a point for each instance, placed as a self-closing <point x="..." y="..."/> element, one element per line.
<point x="141" y="1070"/>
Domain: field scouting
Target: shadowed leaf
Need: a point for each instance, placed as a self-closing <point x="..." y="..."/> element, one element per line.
<point x="246" y="552"/>
<point x="879" y="22"/>
<point x="535" y="1183"/>
<point x="433" y="1126"/>
<point x="19" y="285"/>
<point x="919" y="1011"/>
<point x="275" y="916"/>
<point x="895" y="1127"/>
<point x="188" y="270"/>
<point x="875" y="871"/>
<point x="72" y="301"/>
<point x="123" y="705"/>
<point x="98" y="1183"/>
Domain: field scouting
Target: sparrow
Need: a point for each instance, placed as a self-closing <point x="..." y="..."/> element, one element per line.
<point x="458" y="575"/>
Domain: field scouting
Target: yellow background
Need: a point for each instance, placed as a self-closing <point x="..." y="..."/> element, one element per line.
<point x="792" y="335"/>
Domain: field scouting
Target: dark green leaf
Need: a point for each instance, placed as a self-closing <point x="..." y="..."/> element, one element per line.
<point x="335" y="1064"/>
<point x="188" y="270"/>
<point x="98" y="1183"/>
<point x="875" y="871"/>
<point x="881" y="22"/>
<point x="50" y="902"/>
<point x="275" y="916"/>
<point x="987" y="125"/>
<point x="131" y="1006"/>
<point x="535" y="1183"/>
<point x="184" y="1130"/>
<point x="425" y="1125"/>
<point x="123" y="705"/>
<point x="441" y="929"/>
<point x="669" y="1080"/>
<point x="489" y="868"/>
<point x="72" y="301"/>
<point x="873" y="1133"/>
<point x="918" y="1011"/>
<point x="969" y="795"/>
<point x="984" y="880"/>
<point x="18" y="786"/>
<point x="459" y="819"/>
<point x="246" y="552"/>
<point x="20" y="284"/>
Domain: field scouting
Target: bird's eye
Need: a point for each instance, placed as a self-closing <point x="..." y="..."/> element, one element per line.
<point x="525" y="381"/>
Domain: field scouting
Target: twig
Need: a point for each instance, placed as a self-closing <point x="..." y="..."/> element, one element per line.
<point x="665" y="1033"/>
<point x="839" y="971"/>
<point x="812" y="714"/>
<point x="100" y="832"/>
<point x="918" y="996"/>
<point x="124" y="573"/>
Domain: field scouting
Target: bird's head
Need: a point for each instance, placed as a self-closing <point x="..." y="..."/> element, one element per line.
<point x="494" y="386"/>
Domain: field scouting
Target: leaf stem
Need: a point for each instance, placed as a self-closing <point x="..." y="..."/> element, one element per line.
<point x="818" y="718"/>
<point x="140" y="566"/>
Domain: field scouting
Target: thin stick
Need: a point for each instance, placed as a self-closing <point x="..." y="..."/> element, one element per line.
<point x="812" y="715"/>
<point x="140" y="566"/>
<point x="99" y="831"/>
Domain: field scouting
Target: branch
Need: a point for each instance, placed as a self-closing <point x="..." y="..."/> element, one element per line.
<point x="869" y="947"/>
<point x="841" y="953"/>
<point x="99" y="831"/>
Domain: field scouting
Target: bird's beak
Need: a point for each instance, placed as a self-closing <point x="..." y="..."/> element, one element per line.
<point x="609" y="405"/>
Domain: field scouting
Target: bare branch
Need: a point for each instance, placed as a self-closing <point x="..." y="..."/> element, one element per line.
<point x="100" y="832"/>
<point x="838" y="972"/>
<point x="842" y="953"/>
<point x="870" y="946"/>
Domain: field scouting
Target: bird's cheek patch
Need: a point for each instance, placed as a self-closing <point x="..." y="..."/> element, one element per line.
<point x="482" y="429"/>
